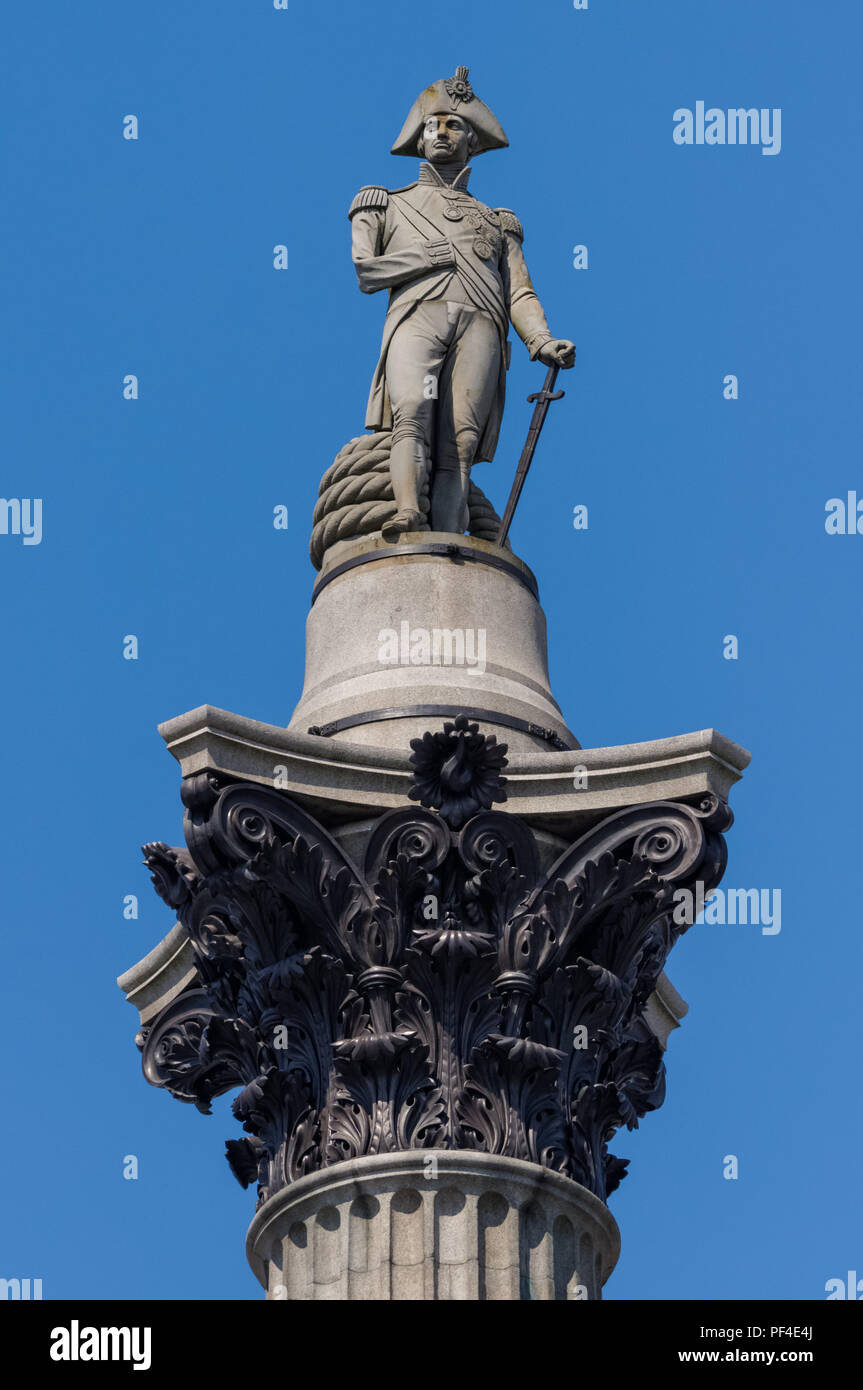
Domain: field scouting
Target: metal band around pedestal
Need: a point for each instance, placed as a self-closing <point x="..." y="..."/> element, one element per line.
<point x="444" y="549"/>
<point x="485" y="716"/>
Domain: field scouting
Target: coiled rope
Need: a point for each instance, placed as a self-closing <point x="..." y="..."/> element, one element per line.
<point x="355" y="497"/>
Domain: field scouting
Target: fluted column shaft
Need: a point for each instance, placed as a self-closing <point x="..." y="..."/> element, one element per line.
<point x="436" y="1225"/>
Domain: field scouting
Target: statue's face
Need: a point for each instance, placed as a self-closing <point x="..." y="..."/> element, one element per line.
<point x="446" y="138"/>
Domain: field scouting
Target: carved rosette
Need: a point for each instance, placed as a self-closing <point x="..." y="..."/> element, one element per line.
<point x="445" y="993"/>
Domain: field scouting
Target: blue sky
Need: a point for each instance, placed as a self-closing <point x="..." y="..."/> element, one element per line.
<point x="154" y="257"/>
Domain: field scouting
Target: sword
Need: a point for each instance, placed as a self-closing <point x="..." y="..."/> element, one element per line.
<point x="542" y="398"/>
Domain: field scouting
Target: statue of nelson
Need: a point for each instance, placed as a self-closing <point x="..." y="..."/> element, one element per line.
<point x="457" y="278"/>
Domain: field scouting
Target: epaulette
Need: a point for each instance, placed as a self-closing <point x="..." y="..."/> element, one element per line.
<point x="371" y="196"/>
<point x="510" y="223"/>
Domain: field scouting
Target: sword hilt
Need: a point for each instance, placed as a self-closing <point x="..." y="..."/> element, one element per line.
<point x="548" y="392"/>
<point x="544" y="395"/>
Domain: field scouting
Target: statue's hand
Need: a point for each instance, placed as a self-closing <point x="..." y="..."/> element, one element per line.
<point x="557" y="352"/>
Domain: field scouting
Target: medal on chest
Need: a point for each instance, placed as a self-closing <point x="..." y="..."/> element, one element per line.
<point x="453" y="207"/>
<point x="480" y="220"/>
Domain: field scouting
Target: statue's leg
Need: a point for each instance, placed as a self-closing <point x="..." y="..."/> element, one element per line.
<point x="414" y="359"/>
<point x="468" y="382"/>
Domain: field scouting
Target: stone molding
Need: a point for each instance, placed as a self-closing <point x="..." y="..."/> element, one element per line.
<point x="337" y="778"/>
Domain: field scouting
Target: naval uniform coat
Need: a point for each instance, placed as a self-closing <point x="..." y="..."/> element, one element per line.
<point x="399" y="240"/>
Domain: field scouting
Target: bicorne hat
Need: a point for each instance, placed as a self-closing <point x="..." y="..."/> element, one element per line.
<point x="453" y="94"/>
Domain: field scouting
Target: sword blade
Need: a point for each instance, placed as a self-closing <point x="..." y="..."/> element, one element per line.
<point x="543" y="399"/>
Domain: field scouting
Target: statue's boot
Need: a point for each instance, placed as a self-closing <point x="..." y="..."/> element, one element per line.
<point x="400" y="523"/>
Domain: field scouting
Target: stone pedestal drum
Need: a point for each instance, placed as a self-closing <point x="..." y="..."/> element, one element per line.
<point x="400" y="635"/>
